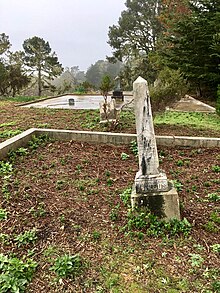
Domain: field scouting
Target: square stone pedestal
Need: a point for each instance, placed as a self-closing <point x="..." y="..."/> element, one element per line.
<point x="163" y="204"/>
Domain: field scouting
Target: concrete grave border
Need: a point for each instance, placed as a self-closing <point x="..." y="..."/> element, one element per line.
<point x="21" y="140"/>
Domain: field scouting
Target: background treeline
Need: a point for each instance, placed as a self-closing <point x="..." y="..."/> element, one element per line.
<point x="36" y="71"/>
<point x="169" y="40"/>
<point x="174" y="44"/>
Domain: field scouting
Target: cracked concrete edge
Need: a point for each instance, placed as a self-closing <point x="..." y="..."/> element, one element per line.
<point x="21" y="140"/>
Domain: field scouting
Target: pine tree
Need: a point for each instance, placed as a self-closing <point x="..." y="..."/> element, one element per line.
<point x="192" y="44"/>
<point x="40" y="60"/>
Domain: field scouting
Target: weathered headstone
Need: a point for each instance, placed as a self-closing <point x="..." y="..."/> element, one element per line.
<point x="151" y="188"/>
<point x="71" y="102"/>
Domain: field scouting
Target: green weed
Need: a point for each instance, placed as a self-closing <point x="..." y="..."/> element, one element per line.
<point x="216" y="168"/>
<point x="9" y="133"/>
<point x="6" y="187"/>
<point x="215" y="217"/>
<point x="6" y="124"/>
<point x="96" y="235"/>
<point x="207" y="184"/>
<point x="15" y="273"/>
<point x="114" y="215"/>
<point x="27" y="237"/>
<point x="210" y="227"/>
<point x="145" y="221"/>
<point x="124" y="156"/>
<point x="4" y="238"/>
<point x="180" y="163"/>
<point x="60" y="184"/>
<point x="216" y="181"/>
<point x="134" y="147"/>
<point x="62" y="218"/>
<point x="3" y="214"/>
<point x="213" y="197"/>
<point x="191" y="119"/>
<point x="39" y="211"/>
<point x="37" y="141"/>
<point x="216" y="286"/>
<point x="107" y="173"/>
<point x="67" y="266"/>
<point x="178" y="185"/>
<point x="23" y="99"/>
<point x="126" y="196"/>
<point x="196" y="260"/>
<point x="19" y="152"/>
<point x="215" y="248"/>
<point x="109" y="182"/>
<point x="5" y="168"/>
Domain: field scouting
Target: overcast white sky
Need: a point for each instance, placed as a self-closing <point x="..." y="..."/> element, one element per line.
<point x="77" y="30"/>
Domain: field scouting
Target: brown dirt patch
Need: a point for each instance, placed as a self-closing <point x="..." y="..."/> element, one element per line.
<point x="69" y="190"/>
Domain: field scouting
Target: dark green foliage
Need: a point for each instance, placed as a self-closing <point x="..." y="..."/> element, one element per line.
<point x="193" y="45"/>
<point x="134" y="37"/>
<point x="9" y="133"/>
<point x="169" y="87"/>
<point x="216" y="168"/>
<point x="3" y="214"/>
<point x="218" y="101"/>
<point x="4" y="43"/>
<point x="12" y="72"/>
<point x="152" y="226"/>
<point x="216" y="286"/>
<point x="114" y="215"/>
<point x="106" y="85"/>
<point x="137" y="29"/>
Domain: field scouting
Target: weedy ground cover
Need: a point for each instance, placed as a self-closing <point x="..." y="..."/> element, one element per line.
<point x="16" y="119"/>
<point x="198" y="120"/>
<point x="67" y="221"/>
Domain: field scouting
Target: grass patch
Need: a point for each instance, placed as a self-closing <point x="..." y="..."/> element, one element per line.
<point x="21" y="99"/>
<point x="192" y="119"/>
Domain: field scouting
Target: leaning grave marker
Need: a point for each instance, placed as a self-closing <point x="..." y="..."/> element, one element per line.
<point x="151" y="188"/>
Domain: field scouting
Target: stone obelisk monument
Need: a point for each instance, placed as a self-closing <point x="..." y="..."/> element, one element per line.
<point x="151" y="188"/>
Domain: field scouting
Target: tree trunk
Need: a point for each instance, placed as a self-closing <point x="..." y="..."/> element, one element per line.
<point x="198" y="91"/>
<point x="39" y="82"/>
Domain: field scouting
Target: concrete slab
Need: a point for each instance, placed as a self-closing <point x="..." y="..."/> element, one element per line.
<point x="190" y="104"/>
<point x="90" y="102"/>
<point x="22" y="139"/>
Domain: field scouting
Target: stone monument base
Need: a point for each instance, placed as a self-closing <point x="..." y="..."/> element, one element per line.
<point x="117" y="94"/>
<point x="163" y="204"/>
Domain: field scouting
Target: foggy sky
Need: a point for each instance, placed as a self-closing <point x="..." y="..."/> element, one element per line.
<point x="77" y="30"/>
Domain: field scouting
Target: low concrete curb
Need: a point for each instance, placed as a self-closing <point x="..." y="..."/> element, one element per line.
<point x="21" y="140"/>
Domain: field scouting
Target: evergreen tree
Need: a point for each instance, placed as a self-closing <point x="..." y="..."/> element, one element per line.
<point x="12" y="73"/>
<point x="101" y="68"/>
<point x="192" y="44"/>
<point x="40" y="59"/>
<point x="4" y="43"/>
<point x="134" y="37"/>
<point x="17" y="78"/>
